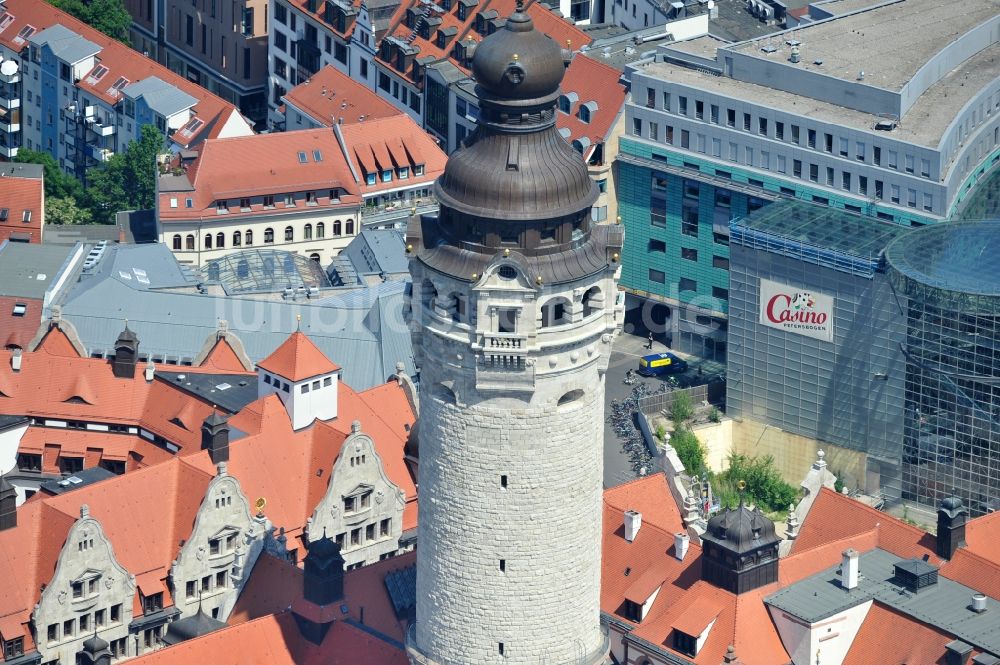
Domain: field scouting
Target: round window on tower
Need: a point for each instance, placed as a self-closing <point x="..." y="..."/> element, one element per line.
<point x="507" y="272"/>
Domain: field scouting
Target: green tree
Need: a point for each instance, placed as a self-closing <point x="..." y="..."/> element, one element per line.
<point x="58" y="184"/>
<point x="64" y="210"/>
<point x="689" y="450"/>
<point x="680" y="408"/>
<point x="127" y="181"/>
<point x="108" y="16"/>
<point x="764" y="485"/>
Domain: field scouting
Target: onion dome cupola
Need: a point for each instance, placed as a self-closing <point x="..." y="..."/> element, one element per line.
<point x="740" y="550"/>
<point x="515" y="185"/>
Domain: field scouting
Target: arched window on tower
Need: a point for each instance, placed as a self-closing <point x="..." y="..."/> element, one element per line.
<point x="208" y="241"/>
<point x="268" y="235"/>
<point x="349" y="227"/>
<point x="320" y="230"/>
<point x="336" y="227"/>
<point x="428" y="293"/>
<point x="457" y="307"/>
<point x="189" y="242"/>
<point x="593" y="301"/>
<point x="248" y="237"/>
<point x="555" y="312"/>
<point x="289" y="234"/>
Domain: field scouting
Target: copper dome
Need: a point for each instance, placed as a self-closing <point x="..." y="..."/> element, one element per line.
<point x="518" y="62"/>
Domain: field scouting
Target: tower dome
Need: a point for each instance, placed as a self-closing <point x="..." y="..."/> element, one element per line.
<point x="516" y="167"/>
<point x="740" y="550"/>
<point x="518" y="62"/>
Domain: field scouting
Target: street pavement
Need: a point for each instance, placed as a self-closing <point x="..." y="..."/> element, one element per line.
<point x="625" y="353"/>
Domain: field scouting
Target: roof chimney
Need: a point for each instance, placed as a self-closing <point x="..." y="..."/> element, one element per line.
<point x="978" y="604"/>
<point x="849" y="569"/>
<point x="8" y="505"/>
<point x="215" y="437"/>
<point x="15" y="360"/>
<point x="633" y="520"/>
<point x="950" y="526"/>
<point x="150" y="371"/>
<point x="957" y="652"/>
<point x="681" y="542"/>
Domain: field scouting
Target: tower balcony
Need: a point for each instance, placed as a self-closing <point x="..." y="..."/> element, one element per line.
<point x="496" y="343"/>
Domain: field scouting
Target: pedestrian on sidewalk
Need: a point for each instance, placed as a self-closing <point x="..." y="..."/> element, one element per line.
<point x="649" y="344"/>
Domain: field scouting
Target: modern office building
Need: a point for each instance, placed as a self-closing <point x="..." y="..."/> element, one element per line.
<point x="221" y="46"/>
<point x="81" y="96"/>
<point x="887" y="109"/>
<point x="948" y="287"/>
<point x="873" y="341"/>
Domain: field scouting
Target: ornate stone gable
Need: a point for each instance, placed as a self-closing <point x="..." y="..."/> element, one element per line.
<point x="90" y="591"/>
<point x="362" y="509"/>
<point x="216" y="559"/>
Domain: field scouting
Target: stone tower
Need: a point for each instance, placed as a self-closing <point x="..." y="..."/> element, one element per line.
<point x="513" y="310"/>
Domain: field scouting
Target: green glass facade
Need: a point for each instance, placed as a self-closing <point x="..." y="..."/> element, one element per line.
<point x="676" y="209"/>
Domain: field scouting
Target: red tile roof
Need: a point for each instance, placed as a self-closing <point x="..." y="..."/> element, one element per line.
<point x="562" y="31"/>
<point x="93" y="447"/>
<point x="21" y="197"/>
<point x="275" y="585"/>
<point x="122" y="61"/>
<point x="297" y="359"/>
<point x="915" y="642"/>
<point x="834" y="516"/>
<point x="697" y="617"/>
<point x="390" y="142"/>
<point x="222" y="358"/>
<point x="264" y="164"/>
<point x="592" y="81"/>
<point x="275" y="639"/>
<point x="982" y="535"/>
<point x="17" y="330"/>
<point x="330" y="94"/>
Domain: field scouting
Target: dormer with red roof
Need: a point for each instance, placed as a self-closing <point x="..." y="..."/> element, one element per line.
<point x="303" y="378"/>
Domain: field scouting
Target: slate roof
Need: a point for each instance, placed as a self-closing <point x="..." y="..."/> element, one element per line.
<point x="160" y="96"/>
<point x="65" y="44"/>
<point x="226" y="391"/>
<point x="367" y="339"/>
<point x="378" y="251"/>
<point x="27" y="270"/>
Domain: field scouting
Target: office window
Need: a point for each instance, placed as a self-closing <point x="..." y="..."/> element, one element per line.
<point x="844" y="146"/>
<point x="637" y="126"/>
<point x="908" y="161"/>
<point x="928" y="202"/>
<point x="863" y="185"/>
<point x="720" y="262"/>
<point x="699" y="109"/>
<point x="845" y="180"/>
<point x="658" y="246"/>
<point x="654" y="131"/>
<point x="877" y="155"/>
<point x="762" y="126"/>
<point x="730" y="117"/>
<point x="894" y="193"/>
<point x="682" y="105"/>
<point x="829" y="175"/>
<point x="748" y="156"/>
<point x="685" y="139"/>
<point x="657" y="276"/>
<point x="666" y="102"/>
<point x="714" y="114"/>
<point x="878" y="189"/>
<point x="811" y="138"/>
<point x="668" y="134"/>
<point x="733" y="151"/>
<point x="717" y="148"/>
<point x="746" y="121"/>
<point x="859" y="151"/>
<point x="911" y="198"/>
<point x="686" y="284"/>
<point x="189" y="30"/>
<point x="814" y="172"/>
<point x="781" y="163"/>
<point x="828" y="142"/>
<point x="689" y="254"/>
<point x="891" y="161"/>
<point x="689" y="221"/>
<point x="795" y="134"/>
<point x="779" y="131"/>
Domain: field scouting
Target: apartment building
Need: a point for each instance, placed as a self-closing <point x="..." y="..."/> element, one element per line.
<point x="884" y="109"/>
<point x="81" y="96"/>
<point x="22" y="204"/>
<point x="303" y="191"/>
<point x="332" y="97"/>
<point x="221" y="46"/>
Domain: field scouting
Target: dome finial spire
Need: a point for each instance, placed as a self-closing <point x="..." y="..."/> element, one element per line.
<point x="520" y="5"/>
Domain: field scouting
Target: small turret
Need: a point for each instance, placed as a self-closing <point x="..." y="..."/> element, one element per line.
<point x="95" y="652"/>
<point x="8" y="505"/>
<point x="126" y="354"/>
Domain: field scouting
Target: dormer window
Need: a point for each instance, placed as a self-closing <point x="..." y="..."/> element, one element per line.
<point x="387" y="175"/>
<point x="370" y="178"/>
<point x="461" y="12"/>
<point x="633" y="611"/>
<point x="152" y="603"/>
<point x="586" y="111"/>
<point x="686" y="644"/>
